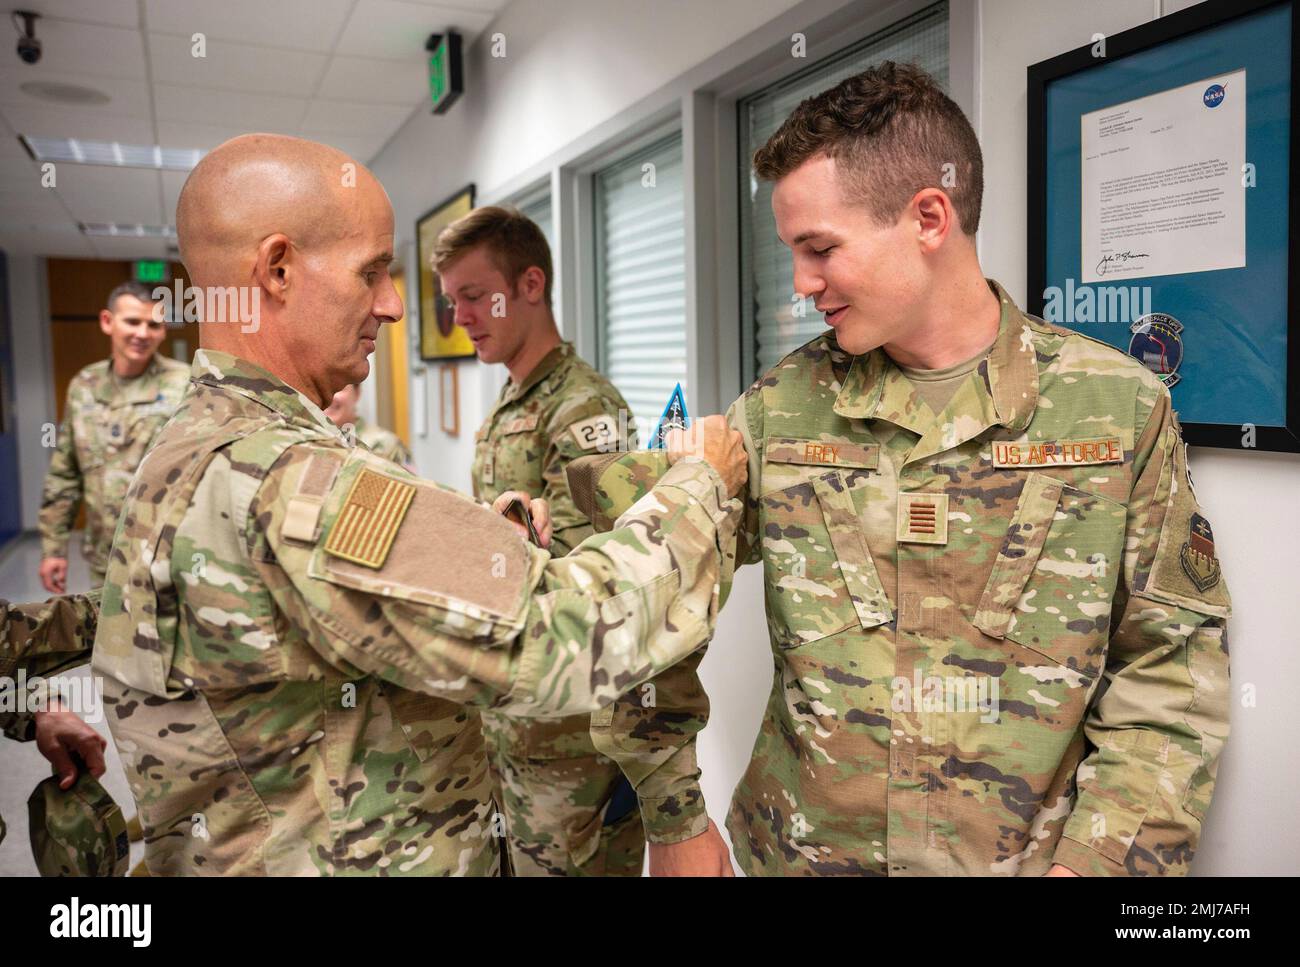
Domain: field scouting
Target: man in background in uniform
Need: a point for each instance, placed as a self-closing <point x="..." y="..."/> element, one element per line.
<point x="342" y="411"/>
<point x="996" y="612"/>
<point x="114" y="408"/>
<point x="569" y="810"/>
<point x="295" y="632"/>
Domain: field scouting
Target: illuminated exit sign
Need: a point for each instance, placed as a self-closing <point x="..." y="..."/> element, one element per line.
<point x="446" y="77"/>
<point x="151" y="271"/>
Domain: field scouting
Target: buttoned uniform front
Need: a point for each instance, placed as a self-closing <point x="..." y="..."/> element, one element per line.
<point x="998" y="631"/>
<point x="109" y="423"/>
<point x="295" y="637"/>
<point x="557" y="789"/>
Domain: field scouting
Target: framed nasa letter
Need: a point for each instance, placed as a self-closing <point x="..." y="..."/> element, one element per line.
<point x="1161" y="211"/>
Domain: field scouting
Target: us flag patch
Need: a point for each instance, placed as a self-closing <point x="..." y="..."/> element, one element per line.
<point x="365" y="528"/>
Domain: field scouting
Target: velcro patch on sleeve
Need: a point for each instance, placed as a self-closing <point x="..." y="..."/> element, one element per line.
<point x="816" y="453"/>
<point x="1025" y="455"/>
<point x="596" y="432"/>
<point x="367" y="523"/>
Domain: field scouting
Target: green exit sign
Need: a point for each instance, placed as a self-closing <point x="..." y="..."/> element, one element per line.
<point x="151" y="271"/>
<point x="446" y="77"/>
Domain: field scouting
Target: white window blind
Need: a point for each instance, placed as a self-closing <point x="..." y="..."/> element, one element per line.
<point x="770" y="325"/>
<point x="641" y="278"/>
<point x="538" y="208"/>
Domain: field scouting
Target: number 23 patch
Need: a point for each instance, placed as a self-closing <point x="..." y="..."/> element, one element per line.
<point x="597" y="432"/>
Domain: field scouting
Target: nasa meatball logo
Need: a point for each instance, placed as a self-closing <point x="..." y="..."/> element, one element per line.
<point x="1158" y="345"/>
<point x="1213" y="95"/>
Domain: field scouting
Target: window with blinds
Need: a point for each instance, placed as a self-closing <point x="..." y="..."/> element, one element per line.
<point x="538" y="208"/>
<point x="641" y="278"/>
<point x="771" y="321"/>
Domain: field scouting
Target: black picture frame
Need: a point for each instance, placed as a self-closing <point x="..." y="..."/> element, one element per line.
<point x="1202" y="17"/>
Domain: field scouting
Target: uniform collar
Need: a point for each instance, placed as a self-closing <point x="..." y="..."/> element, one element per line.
<point x="1006" y="392"/>
<point x="513" y="392"/>
<point x="137" y="389"/>
<point x="224" y="371"/>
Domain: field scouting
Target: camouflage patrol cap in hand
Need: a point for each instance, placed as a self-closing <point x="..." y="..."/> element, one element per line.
<point x="79" y="831"/>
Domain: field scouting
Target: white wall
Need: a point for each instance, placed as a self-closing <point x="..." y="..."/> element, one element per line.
<point x="34" y="377"/>
<point x="1248" y="496"/>
<point x="573" y="68"/>
<point x="569" y="67"/>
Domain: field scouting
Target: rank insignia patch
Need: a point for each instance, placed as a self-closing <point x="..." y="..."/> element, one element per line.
<point x="368" y="521"/>
<point x="1197" y="556"/>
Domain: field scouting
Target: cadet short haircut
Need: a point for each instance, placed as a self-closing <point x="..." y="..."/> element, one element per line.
<point x="137" y="289"/>
<point x="891" y="131"/>
<point x="513" y="240"/>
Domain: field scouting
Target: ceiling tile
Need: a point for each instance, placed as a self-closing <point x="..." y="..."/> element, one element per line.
<point x="107" y="247"/>
<point x="172" y="183"/>
<point x="398" y="29"/>
<point x="98" y="194"/>
<point x="126" y="97"/>
<point x="204" y="137"/>
<point x="294" y="24"/>
<point x="115" y="13"/>
<point x="248" y="112"/>
<point x="362" y="149"/>
<point x="376" y="81"/>
<point x="85" y="49"/>
<point x="46" y="240"/>
<point x="234" y="67"/>
<point x="346" y="118"/>
<point x="92" y="124"/>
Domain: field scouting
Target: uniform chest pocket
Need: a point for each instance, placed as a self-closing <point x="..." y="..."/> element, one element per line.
<point x="1053" y="582"/>
<point x="819" y="578"/>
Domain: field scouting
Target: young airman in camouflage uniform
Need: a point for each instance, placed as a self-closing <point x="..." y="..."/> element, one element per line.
<point x="114" y="408"/>
<point x="569" y="809"/>
<point x="996" y="613"/>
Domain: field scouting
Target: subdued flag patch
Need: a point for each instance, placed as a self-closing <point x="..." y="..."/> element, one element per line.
<point x="364" y="530"/>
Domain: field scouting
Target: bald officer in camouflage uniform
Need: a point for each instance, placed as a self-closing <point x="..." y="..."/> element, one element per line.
<point x="113" y="410"/>
<point x="996" y="612"/>
<point x="569" y="809"/>
<point x="295" y="633"/>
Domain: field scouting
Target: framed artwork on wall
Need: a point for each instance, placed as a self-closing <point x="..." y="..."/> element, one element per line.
<point x="440" y="337"/>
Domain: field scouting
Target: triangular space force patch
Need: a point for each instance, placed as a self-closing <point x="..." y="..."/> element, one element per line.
<point x="674" y="416"/>
<point x="364" y="530"/>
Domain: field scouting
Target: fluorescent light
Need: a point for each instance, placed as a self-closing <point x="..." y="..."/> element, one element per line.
<point x="127" y="230"/>
<point x="113" y="154"/>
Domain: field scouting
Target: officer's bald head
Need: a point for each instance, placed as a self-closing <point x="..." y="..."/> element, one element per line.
<point x="254" y="186"/>
<point x="310" y="233"/>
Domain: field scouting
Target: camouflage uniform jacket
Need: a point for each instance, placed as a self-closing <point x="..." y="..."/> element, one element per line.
<point x="565" y="409"/>
<point x="384" y="442"/>
<point x="108" y="424"/>
<point x="998" y="632"/>
<point x="293" y="632"/>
